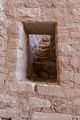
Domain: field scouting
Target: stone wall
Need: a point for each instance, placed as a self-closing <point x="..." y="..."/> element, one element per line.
<point x="21" y="99"/>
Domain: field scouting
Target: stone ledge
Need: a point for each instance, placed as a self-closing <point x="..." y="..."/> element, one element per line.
<point x="20" y="86"/>
<point x="51" y="90"/>
<point x="50" y="116"/>
<point x="25" y="86"/>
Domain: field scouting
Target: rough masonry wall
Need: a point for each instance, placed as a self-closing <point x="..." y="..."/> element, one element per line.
<point x="25" y="100"/>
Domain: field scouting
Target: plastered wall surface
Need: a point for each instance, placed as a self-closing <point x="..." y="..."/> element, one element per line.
<point x="20" y="98"/>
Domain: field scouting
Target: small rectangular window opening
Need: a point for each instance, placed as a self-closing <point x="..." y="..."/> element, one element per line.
<point x="41" y="52"/>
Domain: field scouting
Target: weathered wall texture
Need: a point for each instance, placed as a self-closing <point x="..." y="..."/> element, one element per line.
<point x="21" y="99"/>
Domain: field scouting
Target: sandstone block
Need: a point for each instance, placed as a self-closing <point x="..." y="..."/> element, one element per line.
<point x="77" y="78"/>
<point x="65" y="48"/>
<point x="12" y="86"/>
<point x="3" y="70"/>
<point x="30" y="12"/>
<point x="4" y="100"/>
<point x="3" y="76"/>
<point x="2" y="60"/>
<point x="37" y="102"/>
<point x="3" y="53"/>
<point x="3" y="43"/>
<point x="25" y="12"/>
<point x="51" y="90"/>
<point x="50" y="116"/>
<point x="9" y="112"/>
<point x="3" y="28"/>
<point x="72" y="2"/>
<point x="75" y="62"/>
<point x="46" y="3"/>
<point x="11" y="54"/>
<point x="72" y="92"/>
<point x="76" y="102"/>
<point x="11" y="66"/>
<point x="18" y="118"/>
<point x="13" y="43"/>
<point x="59" y="2"/>
<point x="24" y="86"/>
<point x="74" y="34"/>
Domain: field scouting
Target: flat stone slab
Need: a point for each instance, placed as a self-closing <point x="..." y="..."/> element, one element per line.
<point x="50" y="116"/>
<point x="37" y="102"/>
<point x="51" y="90"/>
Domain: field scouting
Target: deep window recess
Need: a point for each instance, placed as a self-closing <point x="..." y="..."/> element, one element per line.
<point x="41" y="52"/>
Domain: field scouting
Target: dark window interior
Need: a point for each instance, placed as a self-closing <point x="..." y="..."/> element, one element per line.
<point x="41" y="52"/>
